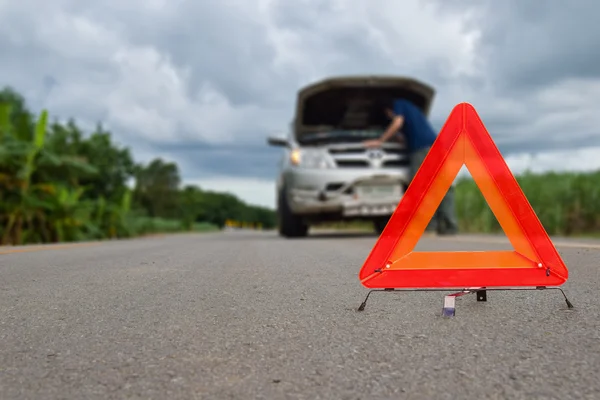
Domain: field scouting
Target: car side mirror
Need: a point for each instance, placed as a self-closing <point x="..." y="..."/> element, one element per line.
<point x="278" y="141"/>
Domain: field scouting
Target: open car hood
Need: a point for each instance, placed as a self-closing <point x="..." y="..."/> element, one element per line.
<point x="352" y="102"/>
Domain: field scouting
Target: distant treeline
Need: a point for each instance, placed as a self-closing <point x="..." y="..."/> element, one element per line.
<point x="58" y="184"/>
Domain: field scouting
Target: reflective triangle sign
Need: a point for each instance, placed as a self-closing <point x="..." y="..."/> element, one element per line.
<point x="534" y="261"/>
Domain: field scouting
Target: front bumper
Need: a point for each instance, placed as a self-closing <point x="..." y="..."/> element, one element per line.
<point x="345" y="192"/>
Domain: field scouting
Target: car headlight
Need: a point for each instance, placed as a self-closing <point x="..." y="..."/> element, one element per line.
<point x="309" y="159"/>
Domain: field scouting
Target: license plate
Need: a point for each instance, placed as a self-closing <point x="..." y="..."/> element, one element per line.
<point x="376" y="191"/>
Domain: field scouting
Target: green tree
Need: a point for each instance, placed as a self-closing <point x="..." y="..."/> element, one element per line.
<point x="157" y="188"/>
<point x="58" y="183"/>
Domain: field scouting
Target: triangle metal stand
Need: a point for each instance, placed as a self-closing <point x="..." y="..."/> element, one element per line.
<point x="449" y="308"/>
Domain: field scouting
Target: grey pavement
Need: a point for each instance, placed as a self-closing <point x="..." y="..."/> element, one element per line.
<point x="247" y="315"/>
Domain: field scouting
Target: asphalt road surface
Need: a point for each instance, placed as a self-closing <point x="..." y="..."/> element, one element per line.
<point x="247" y="315"/>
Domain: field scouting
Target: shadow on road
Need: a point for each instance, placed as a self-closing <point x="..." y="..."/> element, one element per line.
<point x="339" y="235"/>
<point x="318" y="235"/>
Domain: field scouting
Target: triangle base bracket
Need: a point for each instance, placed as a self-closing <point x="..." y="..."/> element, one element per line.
<point x="449" y="308"/>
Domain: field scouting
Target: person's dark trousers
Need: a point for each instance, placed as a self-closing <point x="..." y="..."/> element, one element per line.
<point x="444" y="220"/>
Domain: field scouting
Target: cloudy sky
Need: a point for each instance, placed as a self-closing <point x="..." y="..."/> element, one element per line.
<point x="204" y="82"/>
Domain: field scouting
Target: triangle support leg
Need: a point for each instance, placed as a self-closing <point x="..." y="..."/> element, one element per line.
<point x="449" y="308"/>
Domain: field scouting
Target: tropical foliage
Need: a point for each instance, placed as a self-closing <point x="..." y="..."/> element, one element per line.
<point x="58" y="184"/>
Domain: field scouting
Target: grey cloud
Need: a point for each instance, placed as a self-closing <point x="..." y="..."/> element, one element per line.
<point x="524" y="45"/>
<point x="205" y="161"/>
<point x="528" y="45"/>
<point x="221" y="45"/>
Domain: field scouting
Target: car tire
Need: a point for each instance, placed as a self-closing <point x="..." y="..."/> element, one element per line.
<point x="379" y="224"/>
<point x="290" y="225"/>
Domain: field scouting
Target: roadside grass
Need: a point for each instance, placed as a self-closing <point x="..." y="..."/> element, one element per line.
<point x="567" y="204"/>
<point x="151" y="226"/>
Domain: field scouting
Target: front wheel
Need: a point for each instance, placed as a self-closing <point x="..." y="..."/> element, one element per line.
<point x="290" y="225"/>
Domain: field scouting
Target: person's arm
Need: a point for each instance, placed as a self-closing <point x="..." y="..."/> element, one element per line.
<point x="392" y="129"/>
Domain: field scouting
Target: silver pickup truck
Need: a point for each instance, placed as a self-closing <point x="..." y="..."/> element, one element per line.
<point x="326" y="174"/>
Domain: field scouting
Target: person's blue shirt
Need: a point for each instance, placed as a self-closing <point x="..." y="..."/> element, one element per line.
<point x="416" y="128"/>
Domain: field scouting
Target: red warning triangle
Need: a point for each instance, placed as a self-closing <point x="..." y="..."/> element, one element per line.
<point x="463" y="140"/>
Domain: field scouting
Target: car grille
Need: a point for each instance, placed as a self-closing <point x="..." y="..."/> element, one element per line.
<point x="352" y="163"/>
<point x="396" y="163"/>
<point x="358" y="157"/>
